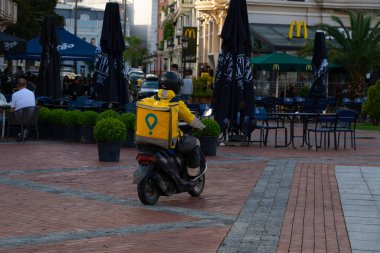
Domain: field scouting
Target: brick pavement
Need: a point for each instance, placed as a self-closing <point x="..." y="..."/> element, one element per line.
<point x="57" y="197"/>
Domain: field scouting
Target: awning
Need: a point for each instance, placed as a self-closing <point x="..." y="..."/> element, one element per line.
<point x="281" y="62"/>
<point x="272" y="37"/>
<point x="70" y="48"/>
<point x="11" y="44"/>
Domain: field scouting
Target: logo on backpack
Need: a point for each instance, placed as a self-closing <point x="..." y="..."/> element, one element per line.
<point x="148" y="122"/>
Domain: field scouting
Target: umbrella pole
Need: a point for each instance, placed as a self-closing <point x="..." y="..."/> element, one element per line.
<point x="276" y="83"/>
<point x="327" y="84"/>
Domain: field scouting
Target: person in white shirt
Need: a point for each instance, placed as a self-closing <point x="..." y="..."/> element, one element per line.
<point x="23" y="97"/>
<point x="3" y="100"/>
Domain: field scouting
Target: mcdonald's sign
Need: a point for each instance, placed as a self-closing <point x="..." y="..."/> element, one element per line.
<point x="190" y="32"/>
<point x="299" y="26"/>
<point x="190" y="54"/>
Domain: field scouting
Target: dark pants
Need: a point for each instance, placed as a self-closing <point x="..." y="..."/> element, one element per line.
<point x="189" y="147"/>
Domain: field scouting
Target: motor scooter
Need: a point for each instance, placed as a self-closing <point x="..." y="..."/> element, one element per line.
<point x="162" y="172"/>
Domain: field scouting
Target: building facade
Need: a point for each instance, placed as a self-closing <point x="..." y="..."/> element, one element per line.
<point x="8" y="13"/>
<point x="264" y="14"/>
<point x="89" y="21"/>
<point x="275" y="16"/>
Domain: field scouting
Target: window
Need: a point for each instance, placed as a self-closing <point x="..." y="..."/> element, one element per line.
<point x="84" y="17"/>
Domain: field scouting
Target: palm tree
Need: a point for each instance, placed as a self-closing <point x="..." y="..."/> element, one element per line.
<point x="356" y="48"/>
<point x="134" y="53"/>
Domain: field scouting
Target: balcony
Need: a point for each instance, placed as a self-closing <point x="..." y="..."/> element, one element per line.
<point x="8" y="13"/>
<point x="210" y="4"/>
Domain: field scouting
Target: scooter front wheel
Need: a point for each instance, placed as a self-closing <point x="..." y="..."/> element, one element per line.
<point x="148" y="191"/>
<point x="198" y="188"/>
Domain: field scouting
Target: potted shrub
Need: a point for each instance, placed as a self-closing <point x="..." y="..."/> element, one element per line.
<point x="56" y="123"/>
<point x="109" y="133"/>
<point x="43" y="123"/>
<point x="208" y="137"/>
<point x="87" y="121"/>
<point x="107" y="114"/>
<point x="129" y="119"/>
<point x="71" y="123"/>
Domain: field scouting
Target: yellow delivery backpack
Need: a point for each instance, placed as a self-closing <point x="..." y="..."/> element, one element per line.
<point x="157" y="122"/>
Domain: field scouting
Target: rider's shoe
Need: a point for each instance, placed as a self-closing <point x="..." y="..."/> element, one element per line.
<point x="203" y="170"/>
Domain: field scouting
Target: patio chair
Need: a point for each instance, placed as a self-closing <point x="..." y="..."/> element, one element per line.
<point x="266" y="123"/>
<point x="195" y="108"/>
<point x="298" y="103"/>
<point x="288" y="104"/>
<point x="24" y="119"/>
<point x="346" y="124"/>
<point x="130" y="107"/>
<point x="346" y="102"/>
<point x="325" y="124"/>
<point x="322" y="105"/>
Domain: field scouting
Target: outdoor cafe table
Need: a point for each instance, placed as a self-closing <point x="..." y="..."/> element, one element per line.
<point x="292" y="117"/>
<point x="4" y="108"/>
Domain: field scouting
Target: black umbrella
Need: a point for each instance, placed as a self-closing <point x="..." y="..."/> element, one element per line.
<point x="49" y="77"/>
<point x="233" y="93"/>
<point x="109" y="76"/>
<point x="319" y="64"/>
<point x="11" y="45"/>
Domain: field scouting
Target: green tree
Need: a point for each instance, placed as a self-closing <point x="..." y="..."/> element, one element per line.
<point x="356" y="48"/>
<point x="135" y="53"/>
<point x="371" y="104"/>
<point x="30" y="15"/>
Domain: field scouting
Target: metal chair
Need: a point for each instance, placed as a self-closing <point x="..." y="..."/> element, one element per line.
<point x="346" y="102"/>
<point x="24" y="119"/>
<point x="195" y="108"/>
<point x="266" y="123"/>
<point x="346" y="123"/>
<point x="325" y="125"/>
<point x="288" y="104"/>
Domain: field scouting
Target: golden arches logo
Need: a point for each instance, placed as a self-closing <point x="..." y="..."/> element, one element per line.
<point x="299" y="26"/>
<point x="190" y="33"/>
<point x="276" y="67"/>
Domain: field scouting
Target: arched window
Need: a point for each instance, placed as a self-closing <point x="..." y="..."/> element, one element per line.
<point x="84" y="17"/>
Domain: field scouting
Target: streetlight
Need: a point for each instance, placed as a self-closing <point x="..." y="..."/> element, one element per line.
<point x="178" y="35"/>
<point x="185" y="43"/>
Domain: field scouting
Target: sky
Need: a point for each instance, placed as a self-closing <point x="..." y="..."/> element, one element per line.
<point x="142" y="9"/>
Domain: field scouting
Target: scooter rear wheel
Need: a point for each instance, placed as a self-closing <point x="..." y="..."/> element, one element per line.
<point x="198" y="188"/>
<point x="148" y="191"/>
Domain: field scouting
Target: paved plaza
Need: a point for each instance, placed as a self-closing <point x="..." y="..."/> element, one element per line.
<point x="57" y="197"/>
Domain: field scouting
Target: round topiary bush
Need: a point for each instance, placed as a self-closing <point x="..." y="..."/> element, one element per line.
<point x="88" y="118"/>
<point x="212" y="128"/>
<point x="107" y="114"/>
<point x="71" y="118"/>
<point x="129" y="119"/>
<point x="109" y="130"/>
<point x="56" y="116"/>
<point x="44" y="115"/>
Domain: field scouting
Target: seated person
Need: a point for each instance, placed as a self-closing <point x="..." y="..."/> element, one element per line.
<point x="23" y="97"/>
<point x="3" y="100"/>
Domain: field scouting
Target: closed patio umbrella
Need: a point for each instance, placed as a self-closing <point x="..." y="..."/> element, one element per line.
<point x="110" y="83"/>
<point x="233" y="95"/>
<point x="320" y="66"/>
<point x="49" y="73"/>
